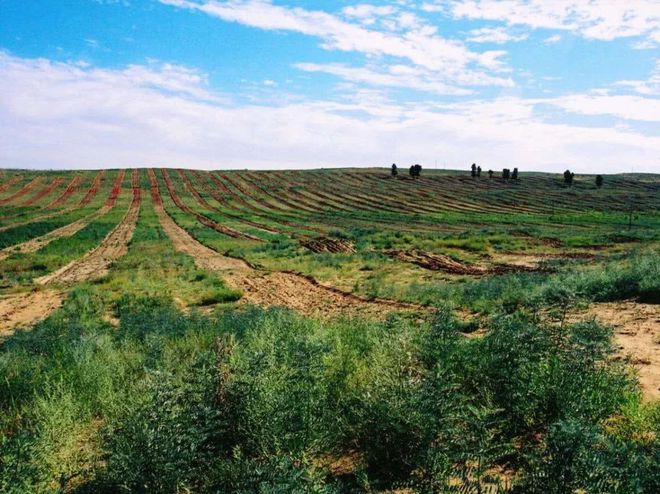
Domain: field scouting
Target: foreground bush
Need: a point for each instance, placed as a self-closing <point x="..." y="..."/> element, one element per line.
<point x="266" y="401"/>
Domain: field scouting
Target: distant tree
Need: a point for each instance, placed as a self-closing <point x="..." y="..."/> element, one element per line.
<point x="514" y="175"/>
<point x="478" y="171"/>
<point x="415" y="170"/>
<point x="395" y="170"/>
<point x="490" y="173"/>
<point x="411" y="170"/>
<point x="599" y="181"/>
<point x="568" y="177"/>
<point x="506" y="174"/>
<point x="474" y="170"/>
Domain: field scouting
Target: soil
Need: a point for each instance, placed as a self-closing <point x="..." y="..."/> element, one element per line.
<point x="19" y="193"/>
<point x="327" y="244"/>
<point x="38" y="243"/>
<point x="4" y="186"/>
<point x="23" y="309"/>
<point x="96" y="262"/>
<point x="68" y="192"/>
<point x="272" y="288"/>
<point x="116" y="189"/>
<point x="637" y="338"/>
<point x="94" y="188"/>
<point x="436" y="262"/>
<point x="44" y="192"/>
<point x="200" y="217"/>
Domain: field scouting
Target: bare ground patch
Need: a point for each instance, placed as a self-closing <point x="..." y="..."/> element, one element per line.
<point x="23" y="309"/>
<point x="327" y="244"/>
<point x="637" y="337"/>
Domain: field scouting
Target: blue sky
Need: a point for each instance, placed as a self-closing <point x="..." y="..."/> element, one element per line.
<point x="537" y="84"/>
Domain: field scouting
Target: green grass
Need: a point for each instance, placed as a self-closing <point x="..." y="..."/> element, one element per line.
<point x="154" y="379"/>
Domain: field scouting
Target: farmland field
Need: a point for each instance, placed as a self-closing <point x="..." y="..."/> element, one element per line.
<point x="336" y="330"/>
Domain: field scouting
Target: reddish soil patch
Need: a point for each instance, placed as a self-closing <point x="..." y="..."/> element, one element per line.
<point x="155" y="193"/>
<point x="44" y="192"/>
<point x="21" y="192"/>
<point x="73" y="186"/>
<point x="327" y="244"/>
<point x="116" y="189"/>
<point x="94" y="188"/>
<point x="202" y="202"/>
<point x="200" y="217"/>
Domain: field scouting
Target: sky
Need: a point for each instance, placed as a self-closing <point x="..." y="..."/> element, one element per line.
<point x="261" y="84"/>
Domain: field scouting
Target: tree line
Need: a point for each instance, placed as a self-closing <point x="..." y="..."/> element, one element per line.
<point x="415" y="171"/>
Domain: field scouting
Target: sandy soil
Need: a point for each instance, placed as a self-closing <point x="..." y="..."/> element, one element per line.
<point x="38" y="243"/>
<point x="272" y="288"/>
<point x="23" y="309"/>
<point x="637" y="337"/>
<point x="20" y="193"/>
<point x="96" y="262"/>
<point x="68" y="192"/>
<point x="4" y="186"/>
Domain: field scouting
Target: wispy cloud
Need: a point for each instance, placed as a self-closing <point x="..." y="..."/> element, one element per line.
<point x="405" y="37"/>
<point x="594" y="19"/>
<point x="498" y="35"/>
<point x="649" y="87"/>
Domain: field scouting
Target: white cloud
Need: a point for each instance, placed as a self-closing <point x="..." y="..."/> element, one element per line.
<point x="555" y="38"/>
<point x="399" y="76"/>
<point x="61" y="115"/>
<point x="649" y="87"/>
<point x="593" y="19"/>
<point x="404" y="36"/>
<point x="497" y="35"/>
<point x="368" y="14"/>
<point x="626" y="107"/>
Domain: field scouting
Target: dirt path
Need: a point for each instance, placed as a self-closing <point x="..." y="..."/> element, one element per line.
<point x="204" y="220"/>
<point x="270" y="288"/>
<point x="23" y="309"/>
<point x="21" y="192"/>
<point x="39" y="243"/>
<point x="637" y="338"/>
<point x="93" y="189"/>
<point x="4" y="186"/>
<point x="26" y="309"/>
<point x="56" y="182"/>
<point x="86" y="200"/>
<point x="96" y="262"/>
<point x="68" y="192"/>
